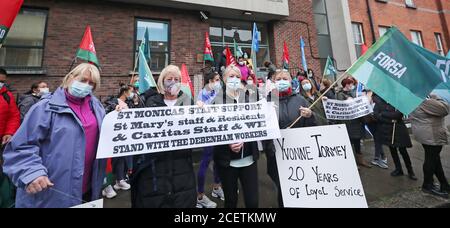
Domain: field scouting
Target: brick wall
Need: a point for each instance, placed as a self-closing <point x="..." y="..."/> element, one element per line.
<point x="113" y="29"/>
<point x="299" y="23"/>
<point x="427" y="18"/>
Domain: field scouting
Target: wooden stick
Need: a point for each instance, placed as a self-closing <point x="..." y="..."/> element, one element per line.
<point x="320" y="98"/>
<point x="393" y="132"/>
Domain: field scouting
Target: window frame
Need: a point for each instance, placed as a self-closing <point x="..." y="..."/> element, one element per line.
<point x="169" y="40"/>
<point x="38" y="69"/>
<point x="223" y="44"/>
<point x="422" y="44"/>
<point x="439" y="43"/>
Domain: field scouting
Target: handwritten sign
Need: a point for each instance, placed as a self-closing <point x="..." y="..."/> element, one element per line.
<point x="142" y="131"/>
<point x="347" y="110"/>
<point x="317" y="168"/>
<point x="93" y="204"/>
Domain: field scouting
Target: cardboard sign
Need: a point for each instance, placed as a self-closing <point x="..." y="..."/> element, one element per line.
<point x="317" y="169"/>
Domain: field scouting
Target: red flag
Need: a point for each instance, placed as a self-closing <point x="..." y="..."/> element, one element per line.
<point x="87" y="48"/>
<point x="230" y="58"/>
<point x="285" y="60"/>
<point x="186" y="80"/>
<point x="364" y="49"/>
<point x="8" y="12"/>
<point x="208" y="55"/>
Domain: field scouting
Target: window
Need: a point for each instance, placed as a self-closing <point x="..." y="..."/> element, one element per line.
<point x="24" y="45"/>
<point x="382" y="30"/>
<point x="439" y="46"/>
<point x="224" y="32"/>
<point x="159" y="42"/>
<point x="323" y="32"/>
<point x="410" y="4"/>
<point x="358" y="37"/>
<point x="416" y="37"/>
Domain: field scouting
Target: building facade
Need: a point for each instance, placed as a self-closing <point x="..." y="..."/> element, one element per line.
<point x="348" y="24"/>
<point x="45" y="36"/>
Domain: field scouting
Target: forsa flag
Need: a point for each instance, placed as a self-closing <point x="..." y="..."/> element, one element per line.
<point x="8" y="12"/>
<point x="397" y="72"/>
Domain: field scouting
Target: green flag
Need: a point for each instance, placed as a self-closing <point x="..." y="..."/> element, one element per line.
<point x="330" y="71"/>
<point x="146" y="80"/>
<point x="146" y="48"/>
<point x="397" y="72"/>
<point x="237" y="50"/>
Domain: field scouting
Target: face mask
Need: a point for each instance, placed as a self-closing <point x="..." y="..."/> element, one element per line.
<point x="352" y="88"/>
<point x="131" y="96"/>
<point x="1" y="84"/>
<point x="241" y="63"/>
<point x="250" y="82"/>
<point x="307" y="87"/>
<point x="217" y="86"/>
<point x="136" y="84"/>
<point x="172" y="87"/>
<point x="79" y="89"/>
<point x="283" y="85"/>
<point x="43" y="91"/>
<point x="233" y="83"/>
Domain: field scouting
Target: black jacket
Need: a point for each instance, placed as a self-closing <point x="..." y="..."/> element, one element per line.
<point x="354" y="127"/>
<point x="288" y="111"/>
<point x="25" y="103"/>
<point x="223" y="155"/>
<point x="167" y="179"/>
<point x="386" y="116"/>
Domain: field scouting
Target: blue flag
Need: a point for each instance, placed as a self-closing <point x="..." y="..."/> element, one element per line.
<point x="255" y="39"/>
<point x="302" y="46"/>
<point x="146" y="80"/>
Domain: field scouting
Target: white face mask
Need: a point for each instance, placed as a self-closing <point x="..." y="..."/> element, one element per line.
<point x="1" y="84"/>
<point x="250" y="82"/>
<point x="233" y="84"/>
<point x="43" y="91"/>
<point x="241" y="63"/>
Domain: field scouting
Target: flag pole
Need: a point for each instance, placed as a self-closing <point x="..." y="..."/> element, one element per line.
<point x="73" y="62"/>
<point x="134" y="68"/>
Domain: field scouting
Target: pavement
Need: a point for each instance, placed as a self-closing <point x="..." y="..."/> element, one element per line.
<point x="382" y="190"/>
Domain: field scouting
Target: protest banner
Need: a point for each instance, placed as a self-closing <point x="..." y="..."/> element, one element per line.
<point x="317" y="169"/>
<point x="347" y="110"/>
<point x="93" y="204"/>
<point x="151" y="130"/>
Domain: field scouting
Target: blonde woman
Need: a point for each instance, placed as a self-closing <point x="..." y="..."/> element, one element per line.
<point x="237" y="161"/>
<point x="165" y="180"/>
<point x="51" y="158"/>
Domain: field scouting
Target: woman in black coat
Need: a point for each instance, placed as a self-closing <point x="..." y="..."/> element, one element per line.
<point x="289" y="107"/>
<point x="354" y="127"/>
<point x="237" y="162"/>
<point x="391" y="124"/>
<point x="165" y="180"/>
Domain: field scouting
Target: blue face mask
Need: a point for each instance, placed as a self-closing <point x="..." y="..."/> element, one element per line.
<point x="217" y="86"/>
<point x="79" y="89"/>
<point x="307" y="87"/>
<point x="233" y="83"/>
<point x="283" y="85"/>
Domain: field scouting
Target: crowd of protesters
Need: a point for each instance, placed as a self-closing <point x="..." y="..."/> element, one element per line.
<point x="49" y="139"/>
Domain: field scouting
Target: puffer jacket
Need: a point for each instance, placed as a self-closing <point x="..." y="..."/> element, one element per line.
<point x="9" y="113"/>
<point x="428" y="122"/>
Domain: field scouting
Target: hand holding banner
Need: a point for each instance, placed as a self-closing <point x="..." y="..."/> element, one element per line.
<point x="142" y="131"/>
